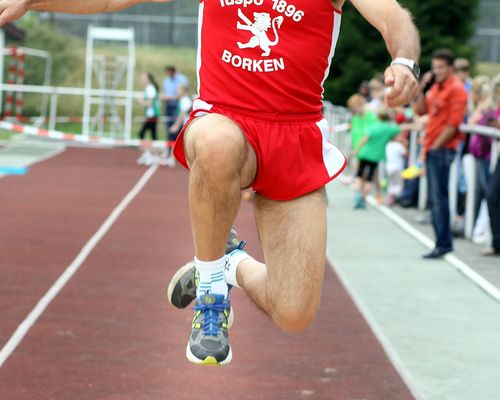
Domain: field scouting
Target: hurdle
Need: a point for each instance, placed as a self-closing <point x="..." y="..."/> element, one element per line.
<point x="14" y="99"/>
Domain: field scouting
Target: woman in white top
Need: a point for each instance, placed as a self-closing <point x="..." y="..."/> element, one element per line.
<point x="151" y="105"/>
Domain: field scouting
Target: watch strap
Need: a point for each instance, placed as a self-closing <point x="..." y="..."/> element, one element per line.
<point x="408" y="63"/>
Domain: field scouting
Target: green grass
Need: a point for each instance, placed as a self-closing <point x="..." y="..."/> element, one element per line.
<point x="5" y="135"/>
<point x="488" y="69"/>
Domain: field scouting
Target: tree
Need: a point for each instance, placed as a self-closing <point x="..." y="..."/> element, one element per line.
<point x="361" y="52"/>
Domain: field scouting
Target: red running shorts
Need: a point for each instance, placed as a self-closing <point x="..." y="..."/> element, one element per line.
<point x="294" y="155"/>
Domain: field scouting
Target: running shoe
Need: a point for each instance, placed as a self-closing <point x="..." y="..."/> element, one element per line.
<point x="182" y="287"/>
<point x="359" y="201"/>
<point x="209" y="342"/>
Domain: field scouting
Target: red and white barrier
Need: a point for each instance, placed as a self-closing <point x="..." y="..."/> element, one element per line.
<point x="15" y="75"/>
<point x="92" y="140"/>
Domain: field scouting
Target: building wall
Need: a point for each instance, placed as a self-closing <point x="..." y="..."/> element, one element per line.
<point x="487" y="36"/>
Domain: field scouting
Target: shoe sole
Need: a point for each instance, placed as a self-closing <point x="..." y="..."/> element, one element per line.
<point x="175" y="280"/>
<point x="209" y="361"/>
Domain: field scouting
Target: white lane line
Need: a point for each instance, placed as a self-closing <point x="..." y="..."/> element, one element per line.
<point x="42" y="304"/>
<point x="377" y="331"/>
<point x="426" y="241"/>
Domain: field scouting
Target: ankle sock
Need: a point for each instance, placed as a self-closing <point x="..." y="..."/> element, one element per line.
<point x="232" y="261"/>
<point x="211" y="277"/>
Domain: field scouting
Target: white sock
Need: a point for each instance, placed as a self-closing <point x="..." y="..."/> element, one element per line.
<point x="232" y="261"/>
<point x="211" y="277"/>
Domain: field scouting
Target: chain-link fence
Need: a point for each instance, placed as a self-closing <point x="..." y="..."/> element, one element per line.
<point x="173" y="24"/>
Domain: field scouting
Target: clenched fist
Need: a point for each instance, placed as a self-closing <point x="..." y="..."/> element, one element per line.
<point x="402" y="83"/>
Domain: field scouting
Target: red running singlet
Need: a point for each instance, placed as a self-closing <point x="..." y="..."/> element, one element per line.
<point x="266" y="55"/>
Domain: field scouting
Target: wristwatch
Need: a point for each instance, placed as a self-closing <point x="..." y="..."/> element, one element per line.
<point x="408" y="63"/>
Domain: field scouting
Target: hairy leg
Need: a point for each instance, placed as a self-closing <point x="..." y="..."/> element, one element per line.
<point x="221" y="163"/>
<point x="293" y="237"/>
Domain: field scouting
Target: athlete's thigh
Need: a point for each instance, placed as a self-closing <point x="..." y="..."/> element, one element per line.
<point x="216" y="131"/>
<point x="293" y="238"/>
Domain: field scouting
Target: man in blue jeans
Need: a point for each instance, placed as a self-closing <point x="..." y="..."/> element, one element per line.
<point x="445" y="103"/>
<point x="171" y="83"/>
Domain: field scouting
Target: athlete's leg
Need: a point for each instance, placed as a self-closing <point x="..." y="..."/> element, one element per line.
<point x="293" y="237"/>
<point x="221" y="163"/>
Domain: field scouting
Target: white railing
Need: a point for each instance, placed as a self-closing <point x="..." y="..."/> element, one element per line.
<point x="119" y="97"/>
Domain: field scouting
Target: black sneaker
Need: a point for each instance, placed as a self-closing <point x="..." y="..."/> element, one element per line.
<point x="209" y="342"/>
<point x="436" y="253"/>
<point x="182" y="287"/>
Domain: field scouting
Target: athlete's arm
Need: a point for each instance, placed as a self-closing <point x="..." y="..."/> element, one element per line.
<point x="402" y="40"/>
<point x="10" y="10"/>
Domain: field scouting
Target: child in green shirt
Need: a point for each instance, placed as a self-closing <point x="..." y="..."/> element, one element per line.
<point x="370" y="151"/>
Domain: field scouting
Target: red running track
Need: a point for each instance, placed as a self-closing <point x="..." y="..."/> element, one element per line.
<point x="110" y="334"/>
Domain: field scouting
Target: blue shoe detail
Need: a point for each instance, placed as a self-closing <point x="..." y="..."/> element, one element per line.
<point x="211" y="305"/>
<point x="209" y="343"/>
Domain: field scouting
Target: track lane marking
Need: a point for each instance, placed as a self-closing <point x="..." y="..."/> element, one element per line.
<point x="377" y="331"/>
<point x="452" y="259"/>
<point x="43" y="303"/>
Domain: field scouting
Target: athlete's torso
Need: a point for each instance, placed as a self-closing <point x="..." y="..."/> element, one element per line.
<point x="266" y="55"/>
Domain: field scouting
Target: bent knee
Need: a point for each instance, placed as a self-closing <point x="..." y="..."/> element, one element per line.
<point x="294" y="317"/>
<point x="215" y="140"/>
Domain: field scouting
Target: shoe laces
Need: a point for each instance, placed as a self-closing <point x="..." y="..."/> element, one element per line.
<point x="211" y="313"/>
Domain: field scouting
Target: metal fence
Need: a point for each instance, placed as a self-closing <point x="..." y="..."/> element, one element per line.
<point x="172" y="24"/>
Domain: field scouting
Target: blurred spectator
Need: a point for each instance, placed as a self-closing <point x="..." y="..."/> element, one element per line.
<point x="185" y="104"/>
<point x="395" y="153"/>
<point x="480" y="89"/>
<point x="364" y="90"/>
<point x="493" y="196"/>
<point x="446" y="104"/>
<point x="480" y="145"/>
<point x="462" y="70"/>
<point x="170" y="96"/>
<point x="477" y="93"/>
<point x="361" y="120"/>
<point x="377" y="93"/>
<point x="151" y="105"/>
<point x="370" y="151"/>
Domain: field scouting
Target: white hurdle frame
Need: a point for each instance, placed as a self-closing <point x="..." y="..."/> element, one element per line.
<point x="109" y="34"/>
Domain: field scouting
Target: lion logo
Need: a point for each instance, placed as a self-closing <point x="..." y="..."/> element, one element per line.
<point x="259" y="30"/>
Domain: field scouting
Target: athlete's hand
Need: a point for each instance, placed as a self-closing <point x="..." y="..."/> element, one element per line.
<point x="10" y="10"/>
<point x="402" y="85"/>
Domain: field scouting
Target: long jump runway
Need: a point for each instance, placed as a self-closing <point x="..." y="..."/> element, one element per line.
<point x="111" y="334"/>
